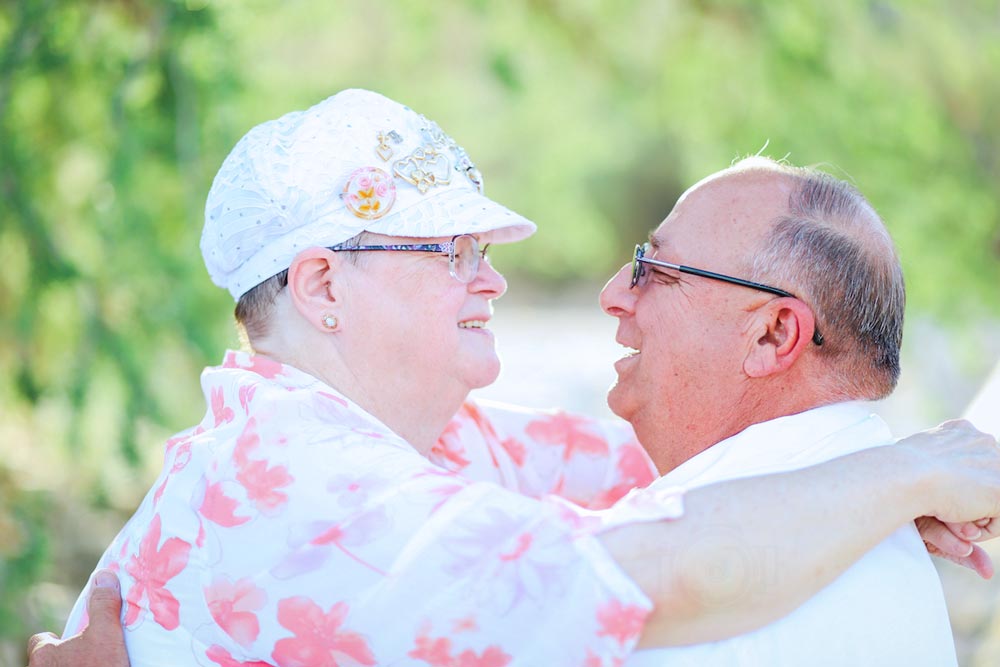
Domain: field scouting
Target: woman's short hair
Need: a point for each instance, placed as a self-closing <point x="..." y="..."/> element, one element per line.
<point x="253" y="309"/>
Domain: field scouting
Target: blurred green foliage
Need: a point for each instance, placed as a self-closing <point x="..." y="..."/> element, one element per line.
<point x="23" y="549"/>
<point x="590" y="116"/>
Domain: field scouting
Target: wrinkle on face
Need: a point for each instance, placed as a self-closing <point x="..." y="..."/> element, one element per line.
<point x="687" y="389"/>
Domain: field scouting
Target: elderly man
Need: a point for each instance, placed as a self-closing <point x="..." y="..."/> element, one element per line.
<point x="732" y="377"/>
<point x="668" y="387"/>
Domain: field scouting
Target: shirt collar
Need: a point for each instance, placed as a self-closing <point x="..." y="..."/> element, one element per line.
<point x="785" y="443"/>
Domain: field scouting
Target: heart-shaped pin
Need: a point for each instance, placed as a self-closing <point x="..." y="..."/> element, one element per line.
<point x="383" y="150"/>
<point x="425" y="168"/>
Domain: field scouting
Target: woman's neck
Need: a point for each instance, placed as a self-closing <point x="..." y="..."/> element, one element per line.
<point x="415" y="412"/>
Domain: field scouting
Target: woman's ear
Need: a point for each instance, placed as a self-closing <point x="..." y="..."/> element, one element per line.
<point x="314" y="287"/>
<point x="784" y="329"/>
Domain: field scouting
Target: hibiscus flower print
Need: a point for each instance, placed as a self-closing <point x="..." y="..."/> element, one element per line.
<point x="232" y="606"/>
<point x="262" y="483"/>
<point x="438" y="652"/>
<point x="181" y="455"/>
<point x="570" y="432"/>
<point x="313" y="544"/>
<point x="247" y="443"/>
<point x="353" y="491"/>
<point x="448" y="451"/>
<point x="333" y="397"/>
<point x="150" y="570"/>
<point x="246" y="396"/>
<point x="515" y="449"/>
<point x="594" y="660"/>
<point x="622" y="622"/>
<point x="319" y="639"/>
<point x="634" y="471"/>
<point x="224" y="658"/>
<point x="260" y="365"/>
<point x="510" y="560"/>
<point x="260" y="479"/>
<point x="444" y="491"/>
<point x="219" y="507"/>
<point x="223" y="413"/>
<point x="357" y="531"/>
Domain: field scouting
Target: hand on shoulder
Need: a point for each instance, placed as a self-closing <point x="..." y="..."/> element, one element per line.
<point x="101" y="644"/>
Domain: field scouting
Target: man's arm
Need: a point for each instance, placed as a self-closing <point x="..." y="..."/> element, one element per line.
<point x="102" y="644"/>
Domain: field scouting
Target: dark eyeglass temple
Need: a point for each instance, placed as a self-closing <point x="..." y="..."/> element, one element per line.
<point x="638" y="269"/>
<point x="817" y="337"/>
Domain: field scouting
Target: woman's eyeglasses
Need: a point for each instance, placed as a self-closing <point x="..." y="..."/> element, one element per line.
<point x="463" y="253"/>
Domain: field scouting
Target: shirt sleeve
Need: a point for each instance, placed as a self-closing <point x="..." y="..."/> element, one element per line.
<point x="591" y="462"/>
<point x="356" y="550"/>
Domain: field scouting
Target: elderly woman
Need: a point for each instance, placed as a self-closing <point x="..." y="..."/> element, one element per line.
<point x="331" y="508"/>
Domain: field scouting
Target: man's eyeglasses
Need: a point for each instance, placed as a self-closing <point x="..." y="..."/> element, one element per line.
<point x="639" y="260"/>
<point x="463" y="253"/>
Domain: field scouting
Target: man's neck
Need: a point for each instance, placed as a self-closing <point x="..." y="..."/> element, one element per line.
<point x="688" y="437"/>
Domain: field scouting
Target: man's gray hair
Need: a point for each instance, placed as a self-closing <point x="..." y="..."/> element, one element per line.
<point x="832" y="250"/>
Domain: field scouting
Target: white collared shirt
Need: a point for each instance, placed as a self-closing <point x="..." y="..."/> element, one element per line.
<point x="886" y="610"/>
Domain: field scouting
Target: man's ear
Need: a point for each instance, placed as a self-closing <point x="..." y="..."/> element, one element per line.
<point x="784" y="329"/>
<point x="314" y="285"/>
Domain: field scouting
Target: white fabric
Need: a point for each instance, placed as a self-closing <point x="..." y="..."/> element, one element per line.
<point x="886" y="610"/>
<point x="281" y="188"/>
<point x="984" y="411"/>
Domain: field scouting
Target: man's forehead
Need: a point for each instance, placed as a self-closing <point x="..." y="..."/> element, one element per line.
<point x="692" y="213"/>
<point x="726" y="209"/>
<point x="678" y="242"/>
<point x="740" y="193"/>
<point x="658" y="239"/>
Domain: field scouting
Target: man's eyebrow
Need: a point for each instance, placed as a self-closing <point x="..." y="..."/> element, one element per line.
<point x="655" y="242"/>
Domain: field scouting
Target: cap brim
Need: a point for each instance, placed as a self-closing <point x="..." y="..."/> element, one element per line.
<point x="455" y="211"/>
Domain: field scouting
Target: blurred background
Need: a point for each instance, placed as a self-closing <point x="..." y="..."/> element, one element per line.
<point x="589" y="116"/>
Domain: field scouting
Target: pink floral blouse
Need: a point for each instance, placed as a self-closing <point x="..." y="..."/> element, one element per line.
<point x="292" y="528"/>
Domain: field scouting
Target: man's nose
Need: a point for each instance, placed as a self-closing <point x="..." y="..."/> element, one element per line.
<point x="617" y="297"/>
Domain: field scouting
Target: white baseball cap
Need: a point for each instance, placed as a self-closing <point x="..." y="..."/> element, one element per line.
<point x="355" y="162"/>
